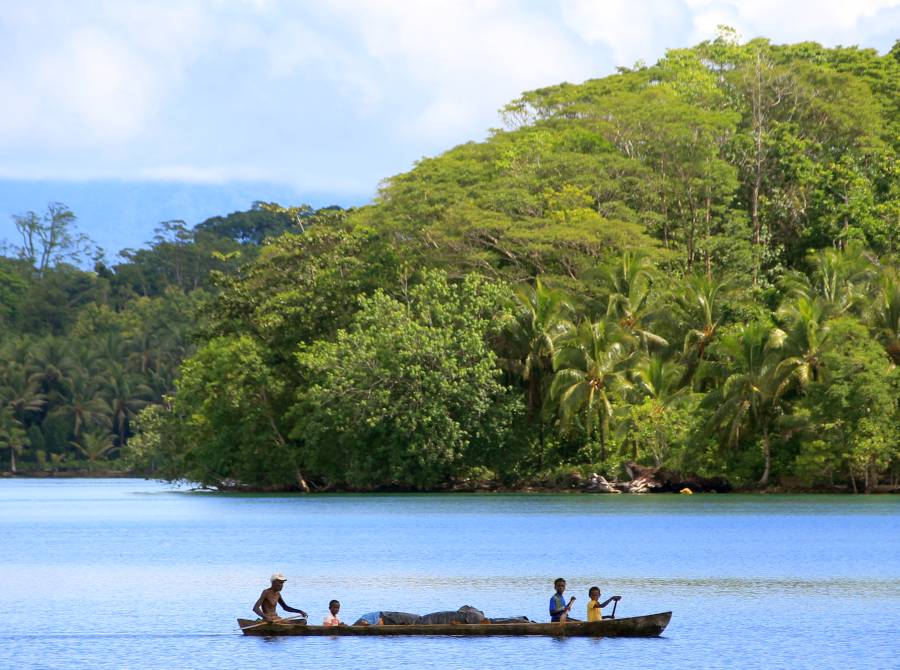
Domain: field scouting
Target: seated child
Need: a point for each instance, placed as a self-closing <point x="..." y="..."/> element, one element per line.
<point x="332" y="618"/>
<point x="594" y="605"/>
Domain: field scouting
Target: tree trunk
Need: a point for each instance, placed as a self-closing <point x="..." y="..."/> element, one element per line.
<point x="871" y="475"/>
<point x="767" y="452"/>
<point x="541" y="440"/>
<point x="301" y="482"/>
<point x="12" y="459"/>
<point x="121" y="422"/>
<point x="602" y="441"/>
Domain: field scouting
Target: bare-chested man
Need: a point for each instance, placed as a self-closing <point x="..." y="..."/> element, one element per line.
<point x="271" y="598"/>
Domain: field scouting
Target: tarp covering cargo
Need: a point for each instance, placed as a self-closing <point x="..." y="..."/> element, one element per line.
<point x="465" y="614"/>
<point x="386" y="618"/>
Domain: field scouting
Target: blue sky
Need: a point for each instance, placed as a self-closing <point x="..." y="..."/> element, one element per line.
<point x="133" y="112"/>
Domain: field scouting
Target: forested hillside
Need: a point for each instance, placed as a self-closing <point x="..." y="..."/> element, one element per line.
<point x="691" y="265"/>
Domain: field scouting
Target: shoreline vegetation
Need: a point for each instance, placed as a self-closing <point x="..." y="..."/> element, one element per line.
<point x="571" y="483"/>
<point x="689" y="268"/>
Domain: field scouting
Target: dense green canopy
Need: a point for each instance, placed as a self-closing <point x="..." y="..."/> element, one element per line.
<point x="691" y="265"/>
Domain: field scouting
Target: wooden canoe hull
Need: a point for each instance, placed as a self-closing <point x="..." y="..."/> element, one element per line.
<point x="651" y="625"/>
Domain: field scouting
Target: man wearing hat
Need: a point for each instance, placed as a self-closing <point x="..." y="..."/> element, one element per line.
<point x="271" y="598"/>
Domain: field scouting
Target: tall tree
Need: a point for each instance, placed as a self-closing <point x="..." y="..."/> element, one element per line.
<point x="752" y="395"/>
<point x="85" y="404"/>
<point x="94" y="446"/>
<point x="630" y="283"/>
<point x="126" y="398"/>
<point x="12" y="436"/>
<point x="590" y="368"/>
<point x="541" y="316"/>
<point x="698" y="303"/>
<point x="884" y="314"/>
<point x="51" y="238"/>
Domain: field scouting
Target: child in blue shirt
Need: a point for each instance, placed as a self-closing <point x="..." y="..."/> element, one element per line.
<point x="559" y="610"/>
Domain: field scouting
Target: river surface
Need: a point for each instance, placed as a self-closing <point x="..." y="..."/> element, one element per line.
<point x="132" y="574"/>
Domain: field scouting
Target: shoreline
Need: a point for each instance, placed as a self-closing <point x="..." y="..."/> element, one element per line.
<point x="584" y="487"/>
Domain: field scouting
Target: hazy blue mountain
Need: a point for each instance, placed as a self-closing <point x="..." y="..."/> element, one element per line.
<point x="119" y="214"/>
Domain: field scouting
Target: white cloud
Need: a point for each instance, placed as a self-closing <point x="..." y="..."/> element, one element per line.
<point x="643" y="30"/>
<point x="464" y="59"/>
<point x="77" y="78"/>
<point x="632" y="30"/>
<point x="341" y="92"/>
<point x="827" y="21"/>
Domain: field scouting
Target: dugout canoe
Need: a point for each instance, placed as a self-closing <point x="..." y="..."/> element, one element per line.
<point x="650" y="625"/>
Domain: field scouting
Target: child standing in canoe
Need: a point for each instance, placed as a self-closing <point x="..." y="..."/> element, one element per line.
<point x="595" y="607"/>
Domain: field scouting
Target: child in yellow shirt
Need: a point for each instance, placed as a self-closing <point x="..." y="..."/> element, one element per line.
<point x="594" y="605"/>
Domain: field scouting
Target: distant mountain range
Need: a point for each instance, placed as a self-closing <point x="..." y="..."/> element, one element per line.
<point x="120" y="214"/>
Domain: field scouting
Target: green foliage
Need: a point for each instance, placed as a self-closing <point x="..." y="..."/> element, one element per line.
<point x="301" y="288"/>
<point x="589" y="368"/>
<point x="256" y="225"/>
<point x="158" y="449"/>
<point x="12" y="436"/>
<point x="409" y="395"/>
<point x="229" y="404"/>
<point x="691" y="264"/>
<point x="13" y="287"/>
<point x="51" y="239"/>
<point x="854" y="409"/>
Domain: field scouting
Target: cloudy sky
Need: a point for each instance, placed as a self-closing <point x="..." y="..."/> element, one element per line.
<point x="134" y="112"/>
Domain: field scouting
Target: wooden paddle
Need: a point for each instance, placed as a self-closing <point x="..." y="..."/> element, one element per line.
<point x="564" y="617"/>
<point x="264" y="622"/>
<point x="613" y="615"/>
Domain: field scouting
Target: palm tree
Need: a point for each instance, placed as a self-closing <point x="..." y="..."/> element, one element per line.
<point x="94" y="446"/>
<point x="126" y="399"/>
<point x="541" y="318"/>
<point x="174" y="344"/>
<point x="589" y="369"/>
<point x="656" y="381"/>
<point x="658" y="378"/>
<point x="109" y="351"/>
<point x="161" y="383"/>
<point x="85" y="403"/>
<point x="19" y="391"/>
<point x="840" y="279"/>
<point x="143" y="356"/>
<point x="884" y="314"/>
<point x="750" y="399"/>
<point x="50" y="364"/>
<point x="630" y="284"/>
<point x="12" y="436"/>
<point x="804" y="338"/>
<point x="699" y="310"/>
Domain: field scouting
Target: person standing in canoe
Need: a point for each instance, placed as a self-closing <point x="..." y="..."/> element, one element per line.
<point x="559" y="610"/>
<point x="265" y="607"/>
<point x="595" y="607"/>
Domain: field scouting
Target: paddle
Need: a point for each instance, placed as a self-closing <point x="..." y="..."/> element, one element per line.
<point x="613" y="615"/>
<point x="564" y="617"/>
<point x="264" y="622"/>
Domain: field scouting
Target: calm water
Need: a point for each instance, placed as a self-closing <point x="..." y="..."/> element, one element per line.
<point x="134" y="574"/>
